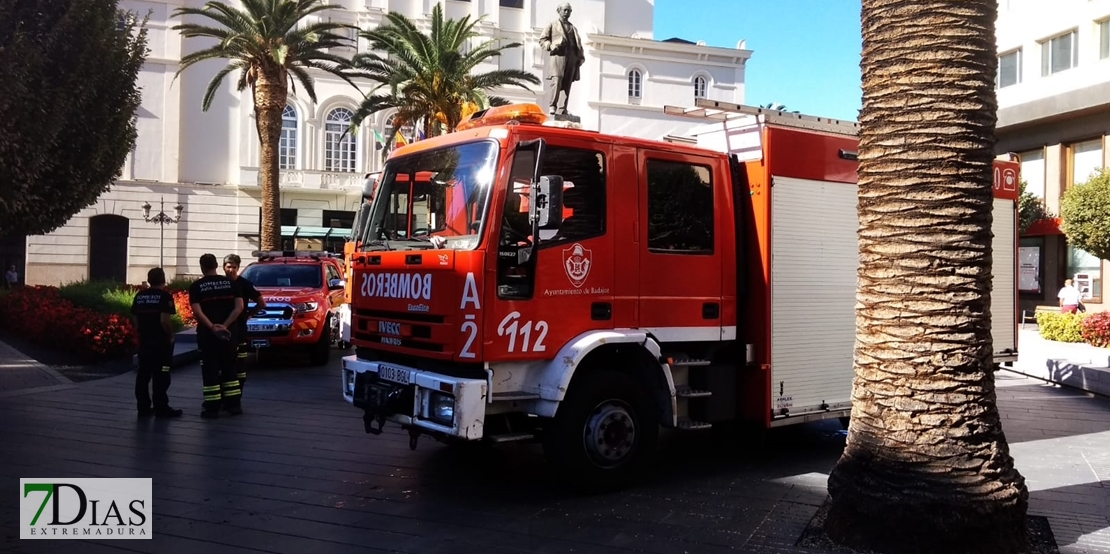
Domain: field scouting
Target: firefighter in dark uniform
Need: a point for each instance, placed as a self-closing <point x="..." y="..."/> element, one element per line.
<point x="216" y="307"/>
<point x="248" y="293"/>
<point x="151" y="310"/>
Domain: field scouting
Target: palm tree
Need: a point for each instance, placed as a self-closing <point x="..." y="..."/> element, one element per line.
<point x="269" y="46"/>
<point x="926" y="467"/>
<point x="428" y="78"/>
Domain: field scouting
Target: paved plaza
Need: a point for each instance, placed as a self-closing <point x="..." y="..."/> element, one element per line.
<point x="297" y="474"/>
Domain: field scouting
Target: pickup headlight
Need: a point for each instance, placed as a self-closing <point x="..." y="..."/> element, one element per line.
<point x="305" y="307"/>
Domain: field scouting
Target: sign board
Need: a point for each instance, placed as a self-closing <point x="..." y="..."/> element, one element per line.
<point x="1029" y="269"/>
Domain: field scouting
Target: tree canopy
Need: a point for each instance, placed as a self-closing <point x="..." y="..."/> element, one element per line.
<point x="68" y="97"/>
<point x="1031" y="209"/>
<point x="1085" y="215"/>
<point x="429" y="78"/>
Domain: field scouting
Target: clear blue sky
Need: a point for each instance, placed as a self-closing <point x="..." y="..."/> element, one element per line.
<point x="805" y="53"/>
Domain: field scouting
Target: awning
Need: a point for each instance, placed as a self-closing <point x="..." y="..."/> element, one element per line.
<point x="1047" y="226"/>
<point x="299" y="232"/>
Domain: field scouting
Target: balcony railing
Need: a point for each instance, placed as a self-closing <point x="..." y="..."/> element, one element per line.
<point x="309" y="179"/>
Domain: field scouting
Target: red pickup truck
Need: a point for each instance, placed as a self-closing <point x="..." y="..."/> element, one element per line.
<point x="303" y="292"/>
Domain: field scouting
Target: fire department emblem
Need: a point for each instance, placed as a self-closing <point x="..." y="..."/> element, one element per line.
<point x="577" y="262"/>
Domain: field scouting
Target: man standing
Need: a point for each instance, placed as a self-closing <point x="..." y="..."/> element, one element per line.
<point x="1069" y="298"/>
<point x="561" y="40"/>
<point x="245" y="290"/>
<point x="216" y="307"/>
<point x="11" y="277"/>
<point x="151" y="311"/>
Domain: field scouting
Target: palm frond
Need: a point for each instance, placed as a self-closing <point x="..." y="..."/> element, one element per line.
<point x="305" y="79"/>
<point x="214" y="85"/>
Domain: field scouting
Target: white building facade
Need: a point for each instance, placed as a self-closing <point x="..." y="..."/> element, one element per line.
<point x="1054" y="113"/>
<point x="207" y="162"/>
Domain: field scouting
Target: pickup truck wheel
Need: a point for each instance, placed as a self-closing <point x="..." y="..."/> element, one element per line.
<point x="604" y="434"/>
<point x="319" y="352"/>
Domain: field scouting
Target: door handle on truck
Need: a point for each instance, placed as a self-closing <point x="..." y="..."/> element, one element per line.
<point x="601" y="311"/>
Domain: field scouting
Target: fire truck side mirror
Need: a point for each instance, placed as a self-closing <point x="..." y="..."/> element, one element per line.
<point x="546" y="210"/>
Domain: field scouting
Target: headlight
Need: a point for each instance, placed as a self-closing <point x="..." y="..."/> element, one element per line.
<point x="441" y="408"/>
<point x="304" y="307"/>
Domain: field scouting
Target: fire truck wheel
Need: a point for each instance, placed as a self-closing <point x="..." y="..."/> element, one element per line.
<point x="604" y="433"/>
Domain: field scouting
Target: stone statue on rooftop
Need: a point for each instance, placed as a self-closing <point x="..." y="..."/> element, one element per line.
<point x="562" y="41"/>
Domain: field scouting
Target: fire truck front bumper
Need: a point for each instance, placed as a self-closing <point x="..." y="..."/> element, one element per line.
<point x="430" y="402"/>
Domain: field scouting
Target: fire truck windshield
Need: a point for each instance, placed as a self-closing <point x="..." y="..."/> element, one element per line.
<point x="432" y="199"/>
<point x="305" y="276"/>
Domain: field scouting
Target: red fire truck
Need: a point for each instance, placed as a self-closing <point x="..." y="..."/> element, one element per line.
<point x="585" y="290"/>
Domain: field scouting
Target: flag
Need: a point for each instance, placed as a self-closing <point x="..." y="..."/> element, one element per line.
<point x="420" y="134"/>
<point x="379" y="140"/>
<point x="399" y="140"/>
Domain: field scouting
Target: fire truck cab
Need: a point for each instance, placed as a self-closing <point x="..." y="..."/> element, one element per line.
<point x="586" y="290"/>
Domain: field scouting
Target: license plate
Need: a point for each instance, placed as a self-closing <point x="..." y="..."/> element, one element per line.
<point x="260" y="343"/>
<point x="255" y="327"/>
<point x="397" y="375"/>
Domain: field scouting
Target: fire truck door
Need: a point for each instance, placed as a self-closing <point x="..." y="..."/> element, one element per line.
<point x="572" y="281"/>
<point x="680" y="258"/>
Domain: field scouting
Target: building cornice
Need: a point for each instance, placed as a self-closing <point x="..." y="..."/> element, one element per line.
<point x="675" y="47"/>
<point x="1063" y="105"/>
<point x="625" y="106"/>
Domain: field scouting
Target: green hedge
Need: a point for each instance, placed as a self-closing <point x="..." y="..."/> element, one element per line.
<point x="107" y="297"/>
<point x="1061" y="327"/>
<point x="180" y="283"/>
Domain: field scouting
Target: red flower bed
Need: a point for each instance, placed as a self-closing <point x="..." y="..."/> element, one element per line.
<point x="1095" y="329"/>
<point x="39" y="314"/>
<point x="184" y="309"/>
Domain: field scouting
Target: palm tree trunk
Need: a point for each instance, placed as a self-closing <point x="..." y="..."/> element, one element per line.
<point x="270" y="92"/>
<point x="926" y="467"/>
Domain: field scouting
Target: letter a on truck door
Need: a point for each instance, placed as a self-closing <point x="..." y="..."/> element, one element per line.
<point x="538" y="308"/>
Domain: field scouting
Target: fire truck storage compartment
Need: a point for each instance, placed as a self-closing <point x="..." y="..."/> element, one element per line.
<point x="1004" y="275"/>
<point x="814" y="258"/>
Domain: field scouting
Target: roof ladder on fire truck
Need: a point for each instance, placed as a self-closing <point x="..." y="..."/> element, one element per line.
<point x="680" y="366"/>
<point x="724" y="111"/>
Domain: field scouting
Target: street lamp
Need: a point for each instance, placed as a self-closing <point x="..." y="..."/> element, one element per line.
<point x="162" y="219"/>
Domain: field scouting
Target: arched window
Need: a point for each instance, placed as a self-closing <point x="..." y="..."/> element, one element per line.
<point x="699" y="87"/>
<point x="287" y="147"/>
<point x="635" y="83"/>
<point x="339" y="149"/>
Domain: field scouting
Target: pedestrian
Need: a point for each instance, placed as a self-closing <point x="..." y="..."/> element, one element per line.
<point x="11" y="277"/>
<point x="216" y="307"/>
<point x="245" y="290"/>
<point x="151" y="310"/>
<point x="1069" y="298"/>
